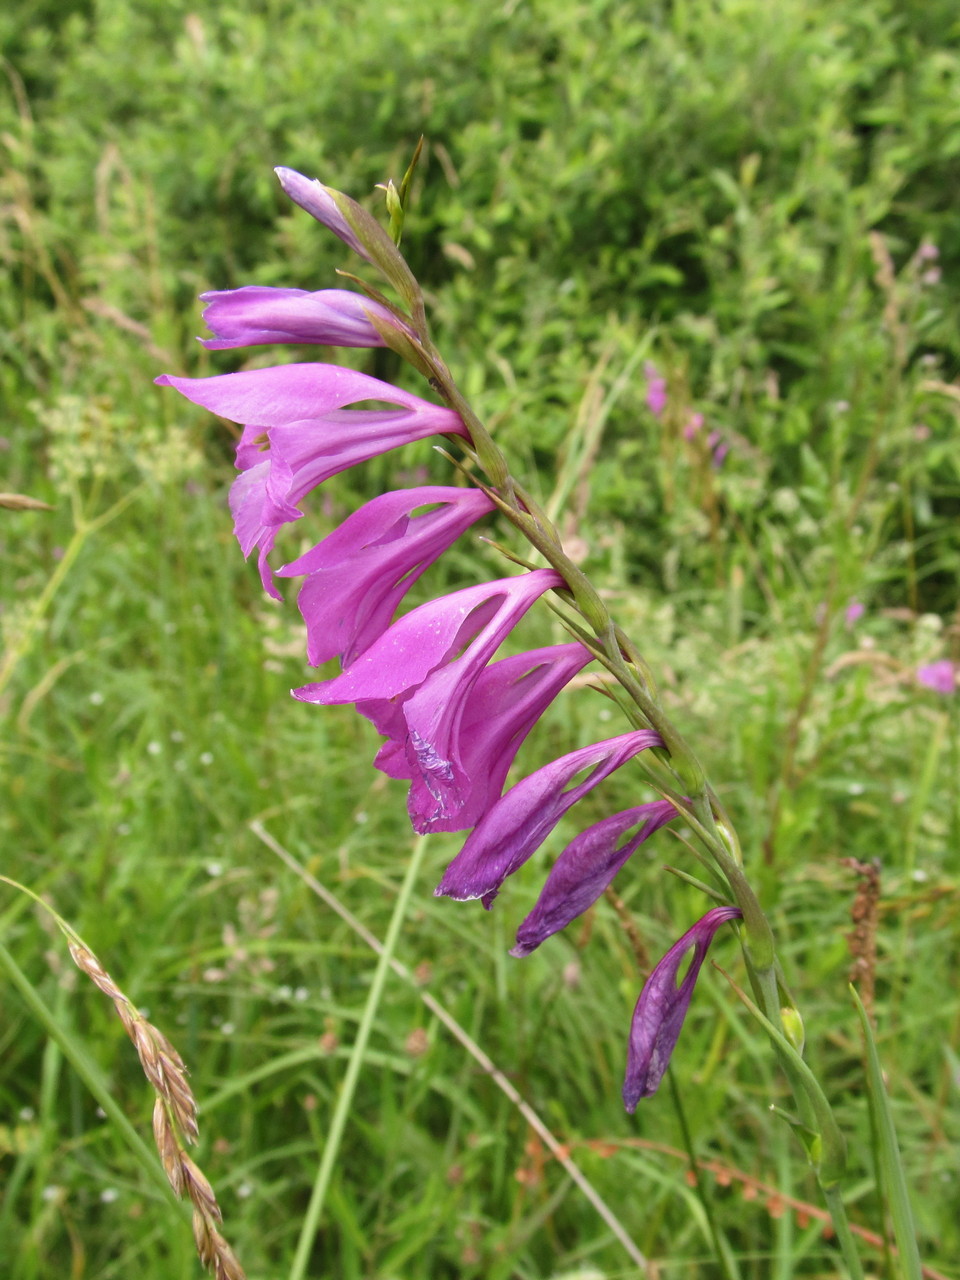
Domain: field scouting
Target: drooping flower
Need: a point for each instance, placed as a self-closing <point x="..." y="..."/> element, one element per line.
<point x="938" y="676"/>
<point x="584" y="870"/>
<point x="357" y="576"/>
<point x="256" y="315"/>
<point x="298" y="432"/>
<point x="662" y="1007"/>
<point x="517" y="825"/>
<point x="506" y="701"/>
<point x="413" y="682"/>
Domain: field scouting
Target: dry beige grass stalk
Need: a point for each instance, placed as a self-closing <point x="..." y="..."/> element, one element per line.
<point x="174" y="1117"/>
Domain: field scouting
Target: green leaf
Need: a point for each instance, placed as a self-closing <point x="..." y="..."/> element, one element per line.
<point x="891" y="1169"/>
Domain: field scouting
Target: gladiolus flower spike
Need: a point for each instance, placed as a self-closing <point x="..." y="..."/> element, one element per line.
<point x="453" y="718"/>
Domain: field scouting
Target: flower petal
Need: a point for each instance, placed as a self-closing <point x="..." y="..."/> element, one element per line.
<point x="413" y="682"/>
<point x="938" y="676"/>
<point x="662" y="1007"/>
<point x="519" y="823"/>
<point x="499" y="711"/>
<point x="428" y="637"/>
<point x="357" y="576"/>
<point x="584" y="870"/>
<point x="255" y="315"/>
<point x="289" y="393"/>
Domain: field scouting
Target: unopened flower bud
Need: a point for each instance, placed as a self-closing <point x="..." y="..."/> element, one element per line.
<point x="792" y="1025"/>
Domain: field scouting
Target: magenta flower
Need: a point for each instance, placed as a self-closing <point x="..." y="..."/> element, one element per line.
<point x="656" y="390"/>
<point x="357" y="575"/>
<point x="662" y="1007"/>
<point x="507" y="700"/>
<point x="938" y="676"/>
<point x="299" y="434"/>
<point x="584" y="870"/>
<point x="518" y="824"/>
<point x="414" y="681"/>
<point x="853" y="613"/>
<point x="255" y="315"/>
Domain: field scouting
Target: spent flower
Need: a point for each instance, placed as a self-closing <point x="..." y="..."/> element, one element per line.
<point x="662" y="1007"/>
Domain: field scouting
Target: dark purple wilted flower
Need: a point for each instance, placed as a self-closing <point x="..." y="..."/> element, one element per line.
<point x="585" y="868"/>
<point x="662" y="1007"/>
<point x="519" y="823"/>
<point x="414" y="681"/>
<point x="256" y="315"/>
<point x="299" y="433"/>
<point x="938" y="676"/>
<point x="357" y="576"/>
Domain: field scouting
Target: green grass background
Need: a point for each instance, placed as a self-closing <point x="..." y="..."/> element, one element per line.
<point x="736" y="190"/>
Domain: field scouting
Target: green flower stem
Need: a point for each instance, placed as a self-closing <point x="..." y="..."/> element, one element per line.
<point x="311" y="1221"/>
<point x="848" y="1246"/>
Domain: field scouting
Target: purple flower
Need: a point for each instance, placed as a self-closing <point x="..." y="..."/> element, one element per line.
<point x="357" y="575"/>
<point x="853" y="613"/>
<point x="585" y="869"/>
<point x="509" y="697"/>
<point x="255" y="315"/>
<point x="656" y="390"/>
<point x="662" y="1007"/>
<point x="318" y="201"/>
<point x="299" y="434"/>
<point x="518" y="824"/>
<point x="938" y="676"/>
<point x="414" y="681"/>
<point x="355" y="226"/>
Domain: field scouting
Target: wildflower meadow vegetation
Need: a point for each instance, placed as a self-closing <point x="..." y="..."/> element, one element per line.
<point x="614" y="481"/>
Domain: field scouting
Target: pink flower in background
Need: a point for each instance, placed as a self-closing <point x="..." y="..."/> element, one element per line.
<point x="662" y="1007"/>
<point x="656" y="390"/>
<point x="853" y="613"/>
<point x="938" y="676"/>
